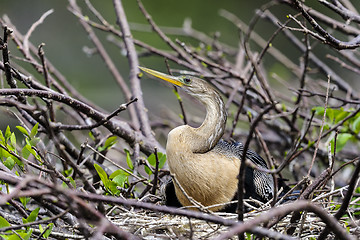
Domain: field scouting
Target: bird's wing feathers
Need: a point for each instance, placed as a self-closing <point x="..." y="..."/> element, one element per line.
<point x="258" y="184"/>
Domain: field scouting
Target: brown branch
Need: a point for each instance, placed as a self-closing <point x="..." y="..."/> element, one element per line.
<point x="345" y="203"/>
<point x="118" y="128"/>
<point x="330" y="221"/>
<point x="241" y="182"/>
<point x="329" y="39"/>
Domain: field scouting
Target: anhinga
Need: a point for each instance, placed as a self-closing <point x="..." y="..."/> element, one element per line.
<point x="205" y="166"/>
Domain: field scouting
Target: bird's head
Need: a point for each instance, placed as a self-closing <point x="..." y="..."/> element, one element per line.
<point x="196" y="87"/>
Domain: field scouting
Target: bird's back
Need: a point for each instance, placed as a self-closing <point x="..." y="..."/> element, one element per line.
<point x="258" y="184"/>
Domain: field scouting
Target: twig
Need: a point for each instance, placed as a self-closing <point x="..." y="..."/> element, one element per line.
<point x="32" y="28"/>
<point x="240" y="205"/>
<point x="321" y="128"/>
<point x="339" y="231"/>
<point x="155" y="180"/>
<point x="345" y="204"/>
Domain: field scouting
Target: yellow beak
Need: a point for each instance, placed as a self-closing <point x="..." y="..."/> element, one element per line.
<point x="163" y="76"/>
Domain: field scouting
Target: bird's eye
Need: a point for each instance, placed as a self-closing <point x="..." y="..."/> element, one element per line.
<point x="187" y="80"/>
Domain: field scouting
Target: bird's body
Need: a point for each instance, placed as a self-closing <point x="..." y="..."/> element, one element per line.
<point x="206" y="167"/>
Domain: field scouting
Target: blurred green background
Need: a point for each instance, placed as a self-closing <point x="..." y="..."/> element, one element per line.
<point x="65" y="38"/>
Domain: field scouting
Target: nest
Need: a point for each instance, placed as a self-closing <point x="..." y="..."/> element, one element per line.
<point x="151" y="225"/>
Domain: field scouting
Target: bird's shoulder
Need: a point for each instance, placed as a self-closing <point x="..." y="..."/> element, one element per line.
<point x="236" y="149"/>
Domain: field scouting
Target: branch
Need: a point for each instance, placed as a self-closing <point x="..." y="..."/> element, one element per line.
<point x="117" y="127"/>
<point x="329" y="220"/>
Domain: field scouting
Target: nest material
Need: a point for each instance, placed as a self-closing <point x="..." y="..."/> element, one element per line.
<point x="150" y="225"/>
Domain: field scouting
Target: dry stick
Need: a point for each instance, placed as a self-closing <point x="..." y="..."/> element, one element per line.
<point x="177" y="94"/>
<point x="240" y="205"/>
<point x="321" y="128"/>
<point x="338" y="230"/>
<point x="107" y="226"/>
<point x="332" y="41"/>
<point x="261" y="42"/>
<point x="343" y="64"/>
<point x="119" y="128"/>
<point x="263" y="81"/>
<point x="134" y="71"/>
<point x="341" y="83"/>
<point x="47" y="80"/>
<point x="109" y="63"/>
<point x="270" y="164"/>
<point x="176" y="211"/>
<point x="57" y="75"/>
<point x="121" y="108"/>
<point x="342" y="11"/>
<point x="305" y="195"/>
<point x="109" y="28"/>
<point x="303" y="76"/>
<point x="330" y="21"/>
<point x="342" y="166"/>
<point x="6" y="61"/>
<point x="167" y="40"/>
<point x="155" y="180"/>
<point x="32" y="28"/>
<point x="345" y="203"/>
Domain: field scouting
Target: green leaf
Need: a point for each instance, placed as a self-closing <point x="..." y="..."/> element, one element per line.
<point x="25" y="152"/>
<point x="68" y="172"/>
<point x="13" y="141"/>
<point x="91" y="136"/>
<point x="162" y="159"/>
<point x="117" y="172"/>
<point x="24" y="201"/>
<point x="18" y="161"/>
<point x="4" y="222"/>
<point x="47" y="233"/>
<point x="356" y="125"/>
<point x="23" y="130"/>
<point x="34" y="130"/>
<point x="102" y="174"/>
<point x="330" y="114"/>
<point x="152" y="160"/>
<point x="113" y="188"/>
<point x="32" y="217"/>
<point x="120" y="180"/>
<point x="7" y="133"/>
<point x="148" y="170"/>
<point x="4" y="153"/>
<point x="108" y="143"/>
<point x="128" y="160"/>
<point x="340" y="115"/>
<point x="34" y="141"/>
<point x="9" y="163"/>
<point x="341" y="141"/>
<point x="33" y="152"/>
<point x="319" y="110"/>
<point x="73" y="183"/>
<point x="2" y="139"/>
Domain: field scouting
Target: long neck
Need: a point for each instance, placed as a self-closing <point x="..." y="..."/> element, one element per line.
<point x="212" y="129"/>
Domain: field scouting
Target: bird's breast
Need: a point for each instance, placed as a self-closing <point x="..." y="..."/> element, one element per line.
<point x="209" y="178"/>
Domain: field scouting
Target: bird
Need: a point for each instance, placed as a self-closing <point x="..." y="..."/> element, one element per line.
<point x="205" y="166"/>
